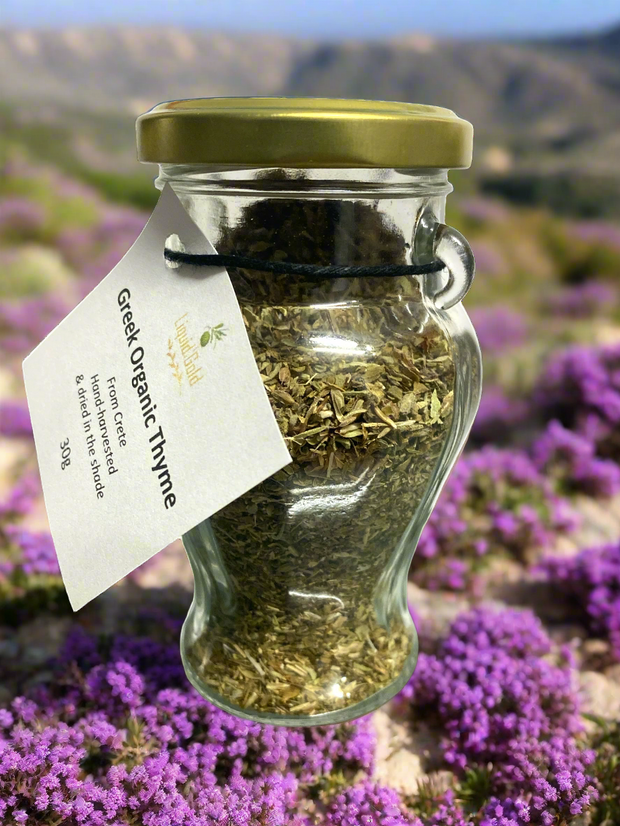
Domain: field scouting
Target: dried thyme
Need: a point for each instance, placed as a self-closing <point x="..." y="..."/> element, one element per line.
<point x="360" y="379"/>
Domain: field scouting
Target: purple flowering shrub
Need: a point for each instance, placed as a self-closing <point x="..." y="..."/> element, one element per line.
<point x="495" y="501"/>
<point x="580" y="387"/>
<point x="29" y="573"/>
<point x="95" y="250"/>
<point x="604" y="233"/>
<point x="484" y="210"/>
<point x="28" y="563"/>
<point x="35" y="552"/>
<point x="503" y="705"/>
<point x="20" y="218"/>
<point x="498" y="328"/>
<point x="582" y="300"/>
<point x="119" y="737"/>
<point x="26" y="322"/>
<point x="20" y="499"/>
<point x="370" y="805"/>
<point x="514" y="502"/>
<point x="14" y="419"/>
<point x="500" y="331"/>
<point x="498" y="416"/>
<point x="591" y="580"/>
<point x="72" y="219"/>
<point x="569" y="459"/>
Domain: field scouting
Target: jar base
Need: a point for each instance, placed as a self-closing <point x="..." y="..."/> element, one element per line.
<point x="340" y="715"/>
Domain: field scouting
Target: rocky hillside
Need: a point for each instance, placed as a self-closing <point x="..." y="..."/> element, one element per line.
<point x="551" y="105"/>
<point x="130" y="69"/>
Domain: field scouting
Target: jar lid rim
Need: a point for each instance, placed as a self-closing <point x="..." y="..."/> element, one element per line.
<point x="304" y="132"/>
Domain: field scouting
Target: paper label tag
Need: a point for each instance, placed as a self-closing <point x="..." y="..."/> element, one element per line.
<point x="148" y="410"/>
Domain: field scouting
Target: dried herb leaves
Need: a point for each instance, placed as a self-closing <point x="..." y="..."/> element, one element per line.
<point x="360" y="379"/>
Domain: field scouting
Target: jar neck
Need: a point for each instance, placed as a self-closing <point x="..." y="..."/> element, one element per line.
<point x="320" y="182"/>
<point x="347" y="217"/>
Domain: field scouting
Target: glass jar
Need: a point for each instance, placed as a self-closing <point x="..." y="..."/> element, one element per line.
<point x="300" y="612"/>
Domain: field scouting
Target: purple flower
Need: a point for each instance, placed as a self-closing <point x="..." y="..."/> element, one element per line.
<point x="370" y="805"/>
<point x="498" y="328"/>
<point x="598" y="232"/>
<point x="498" y="415"/>
<point x="592" y="582"/>
<point x="451" y="575"/>
<point x="483" y="209"/>
<point x="570" y="459"/>
<point x="580" y="387"/>
<point x="495" y="500"/>
<point x="20" y="215"/>
<point x="120" y="737"/>
<point x="96" y="250"/>
<point x="14" y="419"/>
<point x="500" y="702"/>
<point x="20" y="499"/>
<point x="24" y="323"/>
<point x="582" y="300"/>
<point x="488" y="257"/>
<point x="37" y="554"/>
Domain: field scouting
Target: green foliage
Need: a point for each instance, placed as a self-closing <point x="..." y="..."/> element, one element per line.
<point x="475" y="788"/>
<point x="50" y="142"/>
<point x="424" y="802"/>
<point x="577" y="261"/>
<point x="61" y="210"/>
<point x="25" y="276"/>
<point x="54" y="144"/>
<point x="584" y="197"/>
<point x="606" y="769"/>
<point x="135" y="190"/>
<point x="36" y="595"/>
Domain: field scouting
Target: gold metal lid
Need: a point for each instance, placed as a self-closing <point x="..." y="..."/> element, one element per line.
<point x="303" y="133"/>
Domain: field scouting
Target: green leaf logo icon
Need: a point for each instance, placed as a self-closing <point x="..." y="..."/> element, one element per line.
<point x="213" y="334"/>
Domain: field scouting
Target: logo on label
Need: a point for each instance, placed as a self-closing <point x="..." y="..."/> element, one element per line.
<point x="172" y="361"/>
<point x="184" y="354"/>
<point x="212" y="335"/>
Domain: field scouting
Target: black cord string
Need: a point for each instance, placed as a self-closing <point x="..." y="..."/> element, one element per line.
<point x="290" y="268"/>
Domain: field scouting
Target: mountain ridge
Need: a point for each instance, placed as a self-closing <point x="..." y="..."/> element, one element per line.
<point x="549" y="104"/>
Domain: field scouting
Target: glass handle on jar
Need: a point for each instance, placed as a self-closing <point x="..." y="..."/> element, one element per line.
<point x="434" y="240"/>
<point x="452" y="249"/>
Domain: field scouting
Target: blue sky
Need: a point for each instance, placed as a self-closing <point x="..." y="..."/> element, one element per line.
<point x="327" y="18"/>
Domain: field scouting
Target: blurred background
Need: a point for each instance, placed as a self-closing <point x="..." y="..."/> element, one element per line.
<point x="540" y="81"/>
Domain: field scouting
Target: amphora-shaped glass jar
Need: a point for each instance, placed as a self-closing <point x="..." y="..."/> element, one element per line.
<point x="300" y="613"/>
